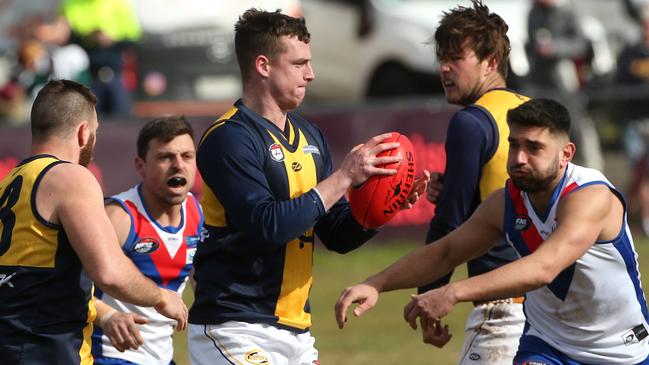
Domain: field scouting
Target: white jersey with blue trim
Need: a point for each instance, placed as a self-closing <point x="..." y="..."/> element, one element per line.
<point x="595" y="310"/>
<point x="164" y="255"/>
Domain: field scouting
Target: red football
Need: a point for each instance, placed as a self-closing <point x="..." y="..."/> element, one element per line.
<point x="376" y="201"/>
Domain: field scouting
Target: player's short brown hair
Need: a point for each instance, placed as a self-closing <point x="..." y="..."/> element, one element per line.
<point x="475" y="28"/>
<point x="59" y="107"/>
<point x="259" y="32"/>
<point x="165" y="129"/>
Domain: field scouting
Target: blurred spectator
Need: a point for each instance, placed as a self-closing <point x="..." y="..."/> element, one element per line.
<point x="634" y="8"/>
<point x="558" y="51"/>
<point x="106" y="29"/>
<point x="69" y="60"/>
<point x="43" y="53"/>
<point x="632" y="111"/>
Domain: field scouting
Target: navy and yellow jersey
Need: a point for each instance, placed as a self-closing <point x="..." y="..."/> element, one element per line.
<point x="476" y="165"/>
<point x="47" y="309"/>
<point x="261" y="214"/>
<point x="495" y="104"/>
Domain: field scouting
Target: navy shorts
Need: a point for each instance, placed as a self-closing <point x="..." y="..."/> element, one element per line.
<point x="45" y="349"/>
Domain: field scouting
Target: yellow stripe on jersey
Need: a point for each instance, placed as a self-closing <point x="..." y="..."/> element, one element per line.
<point x="296" y="284"/>
<point x="298" y="261"/>
<point x="498" y="103"/>
<point x="85" y="352"/>
<point x="27" y="241"/>
<point x="213" y="210"/>
<point x="291" y="131"/>
<point x="219" y="122"/>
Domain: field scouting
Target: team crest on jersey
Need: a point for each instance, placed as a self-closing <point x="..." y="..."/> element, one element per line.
<point x="522" y="222"/>
<point x="192" y="241"/>
<point x="256" y="357"/>
<point x="276" y="152"/>
<point x="146" y="245"/>
<point x="311" y="149"/>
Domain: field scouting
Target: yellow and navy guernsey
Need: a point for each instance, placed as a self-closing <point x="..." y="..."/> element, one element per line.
<point x="476" y="166"/>
<point x="495" y="104"/>
<point x="261" y="214"/>
<point x="46" y="308"/>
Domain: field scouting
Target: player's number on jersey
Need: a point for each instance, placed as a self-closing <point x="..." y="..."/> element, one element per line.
<point x="8" y="199"/>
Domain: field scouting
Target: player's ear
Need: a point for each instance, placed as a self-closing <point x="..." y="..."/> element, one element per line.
<point x="83" y="133"/>
<point x="139" y="166"/>
<point x="262" y="66"/>
<point x="567" y="153"/>
<point x="492" y="64"/>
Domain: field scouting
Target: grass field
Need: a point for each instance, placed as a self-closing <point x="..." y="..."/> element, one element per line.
<point x="380" y="337"/>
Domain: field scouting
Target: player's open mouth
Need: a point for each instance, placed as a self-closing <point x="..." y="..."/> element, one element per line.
<point x="177" y="181"/>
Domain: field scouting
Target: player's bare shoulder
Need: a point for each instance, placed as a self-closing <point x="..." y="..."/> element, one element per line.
<point x="62" y="184"/>
<point x="598" y="197"/>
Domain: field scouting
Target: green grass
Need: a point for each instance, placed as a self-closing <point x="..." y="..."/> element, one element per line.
<point x="381" y="336"/>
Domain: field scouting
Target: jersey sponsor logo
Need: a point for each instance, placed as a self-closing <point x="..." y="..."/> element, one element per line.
<point x="192" y="241"/>
<point x="191" y="252"/>
<point x="634" y="335"/>
<point x="311" y="149"/>
<point x="295" y="166"/>
<point x="545" y="232"/>
<point x="522" y="222"/>
<point x="474" y="357"/>
<point x="6" y="280"/>
<point x="256" y="357"/>
<point x="146" y="245"/>
<point x="276" y="152"/>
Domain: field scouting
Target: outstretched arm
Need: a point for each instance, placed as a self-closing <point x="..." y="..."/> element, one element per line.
<point x="577" y="230"/>
<point x="430" y="262"/>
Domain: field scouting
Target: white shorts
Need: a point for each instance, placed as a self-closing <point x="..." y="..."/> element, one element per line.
<point x="492" y="334"/>
<point x="242" y="343"/>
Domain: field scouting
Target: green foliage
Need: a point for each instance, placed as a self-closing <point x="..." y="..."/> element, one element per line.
<point x="381" y="336"/>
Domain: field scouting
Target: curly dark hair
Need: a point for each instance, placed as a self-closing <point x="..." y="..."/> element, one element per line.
<point x="259" y="32"/>
<point x="476" y="28"/>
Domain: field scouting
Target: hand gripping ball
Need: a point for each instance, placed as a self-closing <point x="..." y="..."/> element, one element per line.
<point x="377" y="200"/>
